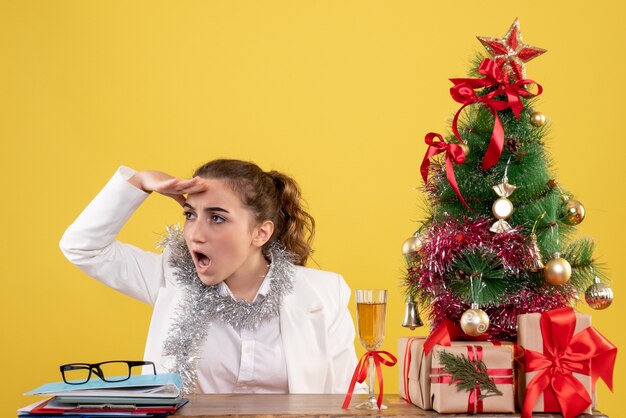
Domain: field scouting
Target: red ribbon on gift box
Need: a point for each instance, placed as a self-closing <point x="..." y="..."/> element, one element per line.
<point x="587" y="352"/>
<point x="463" y="92"/>
<point x="444" y="334"/>
<point x="447" y="332"/>
<point x="475" y="354"/>
<point x="360" y="373"/>
<point x="407" y="367"/>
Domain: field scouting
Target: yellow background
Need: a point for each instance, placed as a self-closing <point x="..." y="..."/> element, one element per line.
<point x="338" y="94"/>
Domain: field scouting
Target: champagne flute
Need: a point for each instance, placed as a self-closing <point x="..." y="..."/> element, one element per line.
<point x="370" y="313"/>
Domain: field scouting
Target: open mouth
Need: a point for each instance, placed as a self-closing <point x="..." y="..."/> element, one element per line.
<point x="202" y="261"/>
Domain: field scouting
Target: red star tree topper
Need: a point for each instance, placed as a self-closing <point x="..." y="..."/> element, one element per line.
<point x="510" y="53"/>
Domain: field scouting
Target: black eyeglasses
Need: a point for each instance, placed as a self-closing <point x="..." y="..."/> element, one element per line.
<point x="109" y="371"/>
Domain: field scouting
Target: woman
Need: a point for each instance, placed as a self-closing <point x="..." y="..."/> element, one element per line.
<point x="234" y="308"/>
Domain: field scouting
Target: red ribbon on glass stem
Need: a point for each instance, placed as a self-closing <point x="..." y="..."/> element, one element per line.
<point x="463" y="92"/>
<point x="587" y="352"/>
<point x="360" y="373"/>
<point x="454" y="153"/>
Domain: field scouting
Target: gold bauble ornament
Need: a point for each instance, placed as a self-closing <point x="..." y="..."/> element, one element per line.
<point x="474" y="321"/>
<point x="573" y="212"/>
<point x="466" y="149"/>
<point x="557" y="271"/>
<point x="411" y="247"/>
<point x="537" y="118"/>
<point x="502" y="208"/>
<point x="599" y="295"/>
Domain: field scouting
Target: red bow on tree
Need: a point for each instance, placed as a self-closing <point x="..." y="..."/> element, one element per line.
<point x="463" y="92"/>
<point x="454" y="153"/>
<point x="587" y="352"/>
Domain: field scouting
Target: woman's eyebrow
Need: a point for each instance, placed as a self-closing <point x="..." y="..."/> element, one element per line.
<point x="216" y="209"/>
<point x="209" y="209"/>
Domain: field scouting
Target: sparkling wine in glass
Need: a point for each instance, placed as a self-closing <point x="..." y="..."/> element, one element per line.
<point x="370" y="313"/>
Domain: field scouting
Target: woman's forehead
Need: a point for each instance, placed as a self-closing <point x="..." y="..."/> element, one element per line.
<point x="218" y="194"/>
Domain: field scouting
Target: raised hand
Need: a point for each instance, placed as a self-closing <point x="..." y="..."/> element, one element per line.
<point x="162" y="183"/>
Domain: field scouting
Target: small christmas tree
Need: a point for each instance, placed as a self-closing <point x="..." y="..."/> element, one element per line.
<point x="495" y="243"/>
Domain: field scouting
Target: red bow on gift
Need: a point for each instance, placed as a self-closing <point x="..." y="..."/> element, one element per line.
<point x="447" y="332"/>
<point x="454" y="153"/>
<point x="463" y="92"/>
<point x="360" y="373"/>
<point x="587" y="352"/>
<point x="444" y="334"/>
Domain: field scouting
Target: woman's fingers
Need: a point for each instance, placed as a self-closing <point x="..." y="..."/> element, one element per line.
<point x="167" y="186"/>
<point x="177" y="188"/>
<point x="194" y="185"/>
<point x="163" y="183"/>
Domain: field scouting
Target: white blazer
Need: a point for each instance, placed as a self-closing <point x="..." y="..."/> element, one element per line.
<point x="316" y="327"/>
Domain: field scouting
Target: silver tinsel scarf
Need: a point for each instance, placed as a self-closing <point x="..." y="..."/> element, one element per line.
<point x="204" y="304"/>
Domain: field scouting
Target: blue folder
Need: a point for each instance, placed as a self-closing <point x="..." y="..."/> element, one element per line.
<point x="167" y="385"/>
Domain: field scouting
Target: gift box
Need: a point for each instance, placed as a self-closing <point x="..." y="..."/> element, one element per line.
<point x="480" y="379"/>
<point x="530" y="337"/>
<point x="414" y="385"/>
<point x="415" y="368"/>
<point x="563" y="357"/>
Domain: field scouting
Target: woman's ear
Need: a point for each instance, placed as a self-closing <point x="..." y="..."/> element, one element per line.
<point x="263" y="232"/>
